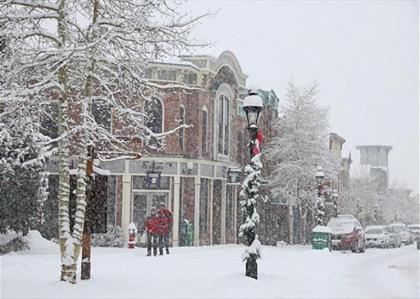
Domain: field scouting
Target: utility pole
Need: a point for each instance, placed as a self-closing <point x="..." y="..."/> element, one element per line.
<point x="87" y="238"/>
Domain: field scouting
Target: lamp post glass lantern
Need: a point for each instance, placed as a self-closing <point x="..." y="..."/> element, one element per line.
<point x="319" y="175"/>
<point x="253" y="105"/>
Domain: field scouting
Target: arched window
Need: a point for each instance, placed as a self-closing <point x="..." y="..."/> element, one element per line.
<point x="204" y="131"/>
<point x="223" y="125"/>
<point x="154" y="115"/>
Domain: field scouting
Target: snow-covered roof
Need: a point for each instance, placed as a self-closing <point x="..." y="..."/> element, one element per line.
<point x="337" y="137"/>
<point x="374" y="227"/>
<point x="174" y="60"/>
<point x="386" y="147"/>
<point x="210" y="63"/>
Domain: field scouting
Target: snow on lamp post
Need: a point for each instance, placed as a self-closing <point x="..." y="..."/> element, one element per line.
<point x="253" y="105"/>
<point x="319" y="205"/>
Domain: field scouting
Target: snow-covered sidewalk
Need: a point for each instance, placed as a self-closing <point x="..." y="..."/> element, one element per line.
<point x="217" y="272"/>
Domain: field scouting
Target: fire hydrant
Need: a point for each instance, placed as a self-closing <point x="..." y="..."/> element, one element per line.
<point x="132" y="232"/>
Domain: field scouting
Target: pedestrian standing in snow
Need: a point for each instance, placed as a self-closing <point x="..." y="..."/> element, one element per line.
<point x="153" y="230"/>
<point x="165" y="223"/>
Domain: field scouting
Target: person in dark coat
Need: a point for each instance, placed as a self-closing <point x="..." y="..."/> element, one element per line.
<point x="153" y="230"/>
<point x="165" y="224"/>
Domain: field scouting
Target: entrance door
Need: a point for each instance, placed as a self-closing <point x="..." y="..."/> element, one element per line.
<point x="143" y="203"/>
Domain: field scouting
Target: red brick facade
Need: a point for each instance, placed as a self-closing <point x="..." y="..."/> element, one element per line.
<point x="218" y="88"/>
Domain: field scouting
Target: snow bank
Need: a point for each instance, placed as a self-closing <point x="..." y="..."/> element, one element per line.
<point x="9" y="236"/>
<point x="37" y="244"/>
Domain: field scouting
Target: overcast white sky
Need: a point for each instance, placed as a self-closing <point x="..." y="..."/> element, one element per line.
<point x="364" y="55"/>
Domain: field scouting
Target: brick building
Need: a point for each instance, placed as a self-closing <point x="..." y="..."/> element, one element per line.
<point x="205" y="93"/>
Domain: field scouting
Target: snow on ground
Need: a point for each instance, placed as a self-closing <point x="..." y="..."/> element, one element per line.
<point x="215" y="272"/>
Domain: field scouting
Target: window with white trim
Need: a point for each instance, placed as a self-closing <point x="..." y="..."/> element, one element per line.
<point x="182" y="130"/>
<point x="154" y="115"/>
<point x="204" y="130"/>
<point x="223" y="125"/>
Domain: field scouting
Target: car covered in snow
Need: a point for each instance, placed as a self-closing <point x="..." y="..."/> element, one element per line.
<point x="394" y="236"/>
<point x="347" y="234"/>
<point x="401" y="229"/>
<point x="414" y="230"/>
<point x="376" y="236"/>
<point x="346" y="216"/>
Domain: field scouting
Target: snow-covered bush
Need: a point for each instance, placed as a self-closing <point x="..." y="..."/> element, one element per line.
<point x="17" y="244"/>
<point x="113" y="237"/>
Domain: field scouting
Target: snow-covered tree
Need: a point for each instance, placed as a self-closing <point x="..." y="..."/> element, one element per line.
<point x="22" y="158"/>
<point x="361" y="199"/>
<point x="79" y="53"/>
<point x="301" y="145"/>
<point x="248" y="199"/>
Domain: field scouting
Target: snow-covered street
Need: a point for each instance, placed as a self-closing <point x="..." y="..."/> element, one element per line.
<point x="216" y="272"/>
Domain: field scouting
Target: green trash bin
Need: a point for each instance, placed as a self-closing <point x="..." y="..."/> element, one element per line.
<point x="186" y="233"/>
<point x="321" y="237"/>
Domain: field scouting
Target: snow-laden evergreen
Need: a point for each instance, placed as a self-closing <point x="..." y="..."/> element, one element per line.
<point x="22" y="160"/>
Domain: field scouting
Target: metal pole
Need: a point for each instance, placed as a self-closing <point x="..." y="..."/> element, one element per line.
<point x="251" y="267"/>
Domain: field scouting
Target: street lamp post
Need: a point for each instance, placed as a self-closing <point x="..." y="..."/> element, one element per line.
<point x="253" y="106"/>
<point x="334" y="197"/>
<point x="319" y="176"/>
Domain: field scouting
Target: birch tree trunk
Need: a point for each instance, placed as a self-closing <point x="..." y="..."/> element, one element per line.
<point x="82" y="150"/>
<point x="65" y="237"/>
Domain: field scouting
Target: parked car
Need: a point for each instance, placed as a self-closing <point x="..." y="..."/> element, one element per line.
<point x="376" y="236"/>
<point x="346" y="216"/>
<point x="394" y="237"/>
<point x="347" y="234"/>
<point x="414" y="230"/>
<point x="403" y="232"/>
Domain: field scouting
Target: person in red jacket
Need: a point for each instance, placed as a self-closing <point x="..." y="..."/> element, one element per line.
<point x="153" y="230"/>
<point x="165" y="224"/>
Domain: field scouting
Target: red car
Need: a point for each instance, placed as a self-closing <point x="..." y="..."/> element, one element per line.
<point x="347" y="234"/>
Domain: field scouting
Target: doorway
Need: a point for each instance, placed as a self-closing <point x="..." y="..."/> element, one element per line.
<point x="143" y="203"/>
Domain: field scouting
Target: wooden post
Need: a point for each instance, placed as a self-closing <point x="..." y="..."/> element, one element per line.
<point x="86" y="240"/>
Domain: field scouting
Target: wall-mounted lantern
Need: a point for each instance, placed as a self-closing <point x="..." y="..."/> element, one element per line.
<point x="234" y="176"/>
<point x="153" y="178"/>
